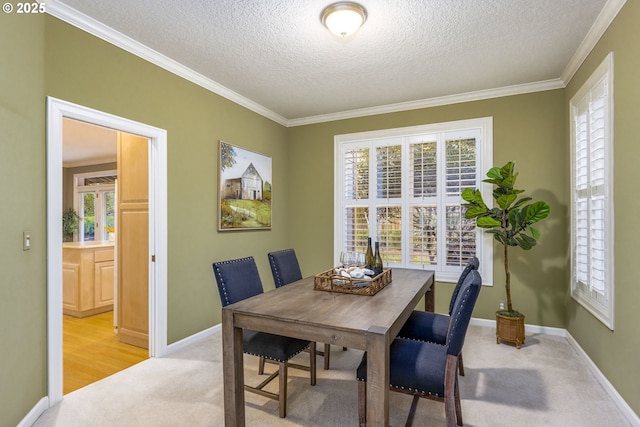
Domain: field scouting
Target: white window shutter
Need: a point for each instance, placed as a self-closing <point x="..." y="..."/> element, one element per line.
<point x="389" y="172"/>
<point x="423" y="241"/>
<point x="460" y="236"/>
<point x="356" y="174"/>
<point x="356" y="226"/>
<point x="592" y="206"/>
<point x="408" y="198"/>
<point x="423" y="179"/>
<point x="461" y="169"/>
<point x="389" y="233"/>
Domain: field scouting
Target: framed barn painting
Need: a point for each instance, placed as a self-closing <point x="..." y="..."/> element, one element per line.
<point x="244" y="192"/>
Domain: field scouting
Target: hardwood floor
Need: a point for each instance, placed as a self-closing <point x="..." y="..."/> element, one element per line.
<point x="91" y="351"/>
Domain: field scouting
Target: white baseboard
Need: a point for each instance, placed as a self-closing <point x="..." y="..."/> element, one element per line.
<point x="192" y="339"/>
<point x="536" y="329"/>
<point x="34" y="413"/>
<point x="619" y="401"/>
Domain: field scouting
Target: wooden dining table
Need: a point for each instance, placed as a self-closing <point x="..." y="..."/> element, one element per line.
<point x="297" y="310"/>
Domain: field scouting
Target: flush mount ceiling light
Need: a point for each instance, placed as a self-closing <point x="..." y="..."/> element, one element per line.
<point x="343" y="18"/>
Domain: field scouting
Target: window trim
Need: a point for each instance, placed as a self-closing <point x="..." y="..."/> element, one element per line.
<point x="603" y="312"/>
<point x="485" y="159"/>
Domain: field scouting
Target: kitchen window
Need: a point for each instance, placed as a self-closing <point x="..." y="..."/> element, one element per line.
<point x="95" y="201"/>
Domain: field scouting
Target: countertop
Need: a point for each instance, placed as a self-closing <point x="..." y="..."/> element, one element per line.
<point x="87" y="244"/>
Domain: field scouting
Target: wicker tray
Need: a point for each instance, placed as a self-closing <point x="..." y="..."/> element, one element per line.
<point x="329" y="281"/>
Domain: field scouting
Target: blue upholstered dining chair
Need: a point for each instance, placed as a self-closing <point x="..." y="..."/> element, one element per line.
<point x="432" y="327"/>
<point x="286" y="269"/>
<point x="237" y="280"/>
<point x="425" y="369"/>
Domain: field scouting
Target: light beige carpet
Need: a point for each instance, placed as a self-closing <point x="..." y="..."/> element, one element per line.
<point x="543" y="384"/>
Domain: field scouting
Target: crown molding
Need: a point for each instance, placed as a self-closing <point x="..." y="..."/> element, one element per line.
<point x="108" y="34"/>
<point x="432" y="102"/>
<point x="96" y="28"/>
<point x="604" y="19"/>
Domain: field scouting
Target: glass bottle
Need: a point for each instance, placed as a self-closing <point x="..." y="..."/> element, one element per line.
<point x="377" y="267"/>
<point x="369" y="259"/>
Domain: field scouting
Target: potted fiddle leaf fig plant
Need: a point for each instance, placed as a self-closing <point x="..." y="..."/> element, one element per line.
<point x="510" y="222"/>
<point x="70" y="224"/>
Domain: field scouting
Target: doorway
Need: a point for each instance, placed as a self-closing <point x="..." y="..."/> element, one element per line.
<point x="94" y="347"/>
<point x="57" y="110"/>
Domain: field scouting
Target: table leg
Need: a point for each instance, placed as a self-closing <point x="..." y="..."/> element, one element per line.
<point x="430" y="298"/>
<point x="377" y="377"/>
<point x="233" y="371"/>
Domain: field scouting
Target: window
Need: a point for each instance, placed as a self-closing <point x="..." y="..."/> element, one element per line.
<point x="592" y="194"/>
<point x="402" y="187"/>
<point x="95" y="195"/>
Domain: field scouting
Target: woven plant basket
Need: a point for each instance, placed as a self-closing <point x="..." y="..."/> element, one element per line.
<point x="510" y="329"/>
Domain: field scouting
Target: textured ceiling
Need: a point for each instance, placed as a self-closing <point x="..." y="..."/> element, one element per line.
<point x="277" y="54"/>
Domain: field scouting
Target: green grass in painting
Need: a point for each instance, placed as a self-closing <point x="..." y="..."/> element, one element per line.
<point x="236" y="213"/>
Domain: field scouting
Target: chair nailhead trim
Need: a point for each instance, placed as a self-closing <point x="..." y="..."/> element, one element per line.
<point x="272" y="261"/>
<point x="274" y="267"/>
<point x="276" y="360"/>
<point x="419" y="340"/>
<point x="428" y="393"/>
<point x="462" y="305"/>
<point x="222" y="282"/>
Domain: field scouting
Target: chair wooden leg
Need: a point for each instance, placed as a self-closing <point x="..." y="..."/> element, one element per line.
<point x="460" y="365"/>
<point x="327" y="355"/>
<point x="450" y="375"/>
<point x="362" y="403"/>
<point x="458" y="406"/>
<point x="282" y="393"/>
<point x="261" y="365"/>
<point x="412" y="411"/>
<point x="312" y="362"/>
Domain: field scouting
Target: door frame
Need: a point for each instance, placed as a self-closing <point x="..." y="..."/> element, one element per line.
<point x="57" y="110"/>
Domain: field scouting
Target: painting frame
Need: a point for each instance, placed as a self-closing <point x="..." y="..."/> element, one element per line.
<point x="244" y="189"/>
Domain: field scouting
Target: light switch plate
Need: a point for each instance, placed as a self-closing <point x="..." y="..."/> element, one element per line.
<point x="26" y="240"/>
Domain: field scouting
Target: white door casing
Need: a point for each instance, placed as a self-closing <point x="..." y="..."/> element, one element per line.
<point x="56" y="110"/>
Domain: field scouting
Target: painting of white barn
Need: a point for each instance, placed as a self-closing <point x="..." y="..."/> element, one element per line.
<point x="247" y="187"/>
<point x="244" y="189"/>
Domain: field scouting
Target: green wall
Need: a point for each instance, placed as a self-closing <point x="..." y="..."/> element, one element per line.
<point x="87" y="71"/>
<point x="23" y="306"/>
<point x="616" y="352"/>
<point x="43" y="56"/>
<point x="527" y="128"/>
<point x="46" y="57"/>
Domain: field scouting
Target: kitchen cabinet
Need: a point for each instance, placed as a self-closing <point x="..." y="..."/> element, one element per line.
<point x="88" y="276"/>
